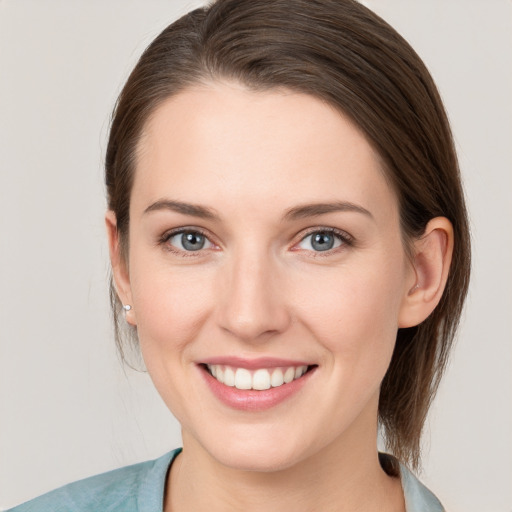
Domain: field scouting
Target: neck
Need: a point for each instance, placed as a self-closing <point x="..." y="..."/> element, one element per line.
<point x="344" y="476"/>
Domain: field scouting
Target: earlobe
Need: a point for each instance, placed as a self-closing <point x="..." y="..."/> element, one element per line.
<point x="431" y="265"/>
<point x="119" y="267"/>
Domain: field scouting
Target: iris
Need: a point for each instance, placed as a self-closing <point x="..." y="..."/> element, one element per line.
<point x="192" y="241"/>
<point x="322" y="241"/>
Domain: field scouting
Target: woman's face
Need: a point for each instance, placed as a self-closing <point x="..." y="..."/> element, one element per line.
<point x="264" y="242"/>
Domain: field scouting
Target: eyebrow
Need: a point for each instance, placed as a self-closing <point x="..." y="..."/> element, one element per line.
<point x="295" y="213"/>
<point x="194" y="210"/>
<point x="316" y="209"/>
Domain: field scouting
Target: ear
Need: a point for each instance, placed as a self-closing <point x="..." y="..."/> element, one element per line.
<point x="119" y="266"/>
<point x="431" y="265"/>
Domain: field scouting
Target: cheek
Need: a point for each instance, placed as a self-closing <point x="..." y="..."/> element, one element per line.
<point x="354" y="313"/>
<point x="170" y="305"/>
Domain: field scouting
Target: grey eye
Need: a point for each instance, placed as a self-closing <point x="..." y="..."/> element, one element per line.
<point x="190" y="241"/>
<point x="320" y="241"/>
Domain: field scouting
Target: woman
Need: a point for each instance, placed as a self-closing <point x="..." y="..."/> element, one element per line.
<point x="290" y="249"/>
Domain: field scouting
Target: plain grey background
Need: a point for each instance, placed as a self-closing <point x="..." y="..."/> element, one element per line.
<point x="68" y="409"/>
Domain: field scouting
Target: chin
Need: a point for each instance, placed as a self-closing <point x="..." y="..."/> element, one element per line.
<point x="260" y="461"/>
<point x="259" y="454"/>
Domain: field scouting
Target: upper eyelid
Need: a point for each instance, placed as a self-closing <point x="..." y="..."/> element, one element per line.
<point x="347" y="237"/>
<point x="163" y="241"/>
<point x="185" y="229"/>
<point x="167" y="235"/>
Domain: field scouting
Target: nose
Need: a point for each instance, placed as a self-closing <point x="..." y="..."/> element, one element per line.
<point x="252" y="305"/>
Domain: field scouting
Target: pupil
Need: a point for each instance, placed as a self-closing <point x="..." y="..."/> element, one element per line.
<point x="322" y="241"/>
<point x="192" y="241"/>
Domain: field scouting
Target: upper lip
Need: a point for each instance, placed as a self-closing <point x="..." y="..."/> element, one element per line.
<point x="253" y="364"/>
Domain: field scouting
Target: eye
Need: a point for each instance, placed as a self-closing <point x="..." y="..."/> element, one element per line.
<point x="323" y="240"/>
<point x="188" y="241"/>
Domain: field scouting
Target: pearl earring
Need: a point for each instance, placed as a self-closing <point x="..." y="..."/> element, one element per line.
<point x="127" y="307"/>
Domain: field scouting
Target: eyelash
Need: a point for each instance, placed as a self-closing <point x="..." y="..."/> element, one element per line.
<point x="345" y="239"/>
<point x="164" y="241"/>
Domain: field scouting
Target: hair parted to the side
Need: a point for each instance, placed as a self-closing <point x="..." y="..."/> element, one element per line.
<point x="341" y="52"/>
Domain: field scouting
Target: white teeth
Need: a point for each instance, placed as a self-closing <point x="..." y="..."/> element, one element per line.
<point x="243" y="379"/>
<point x="289" y="375"/>
<point x="229" y="377"/>
<point x="260" y="379"/>
<point x="277" y="378"/>
<point x="299" y="371"/>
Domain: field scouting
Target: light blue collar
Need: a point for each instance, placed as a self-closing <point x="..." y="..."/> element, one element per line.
<point x="417" y="497"/>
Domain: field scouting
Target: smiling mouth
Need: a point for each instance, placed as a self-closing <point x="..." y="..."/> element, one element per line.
<point x="259" y="379"/>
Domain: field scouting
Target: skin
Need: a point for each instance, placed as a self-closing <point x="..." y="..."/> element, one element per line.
<point x="259" y="288"/>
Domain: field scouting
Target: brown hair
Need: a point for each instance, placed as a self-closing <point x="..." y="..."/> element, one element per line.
<point x="341" y="52"/>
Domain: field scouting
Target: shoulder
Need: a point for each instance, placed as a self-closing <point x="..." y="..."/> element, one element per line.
<point x="139" y="487"/>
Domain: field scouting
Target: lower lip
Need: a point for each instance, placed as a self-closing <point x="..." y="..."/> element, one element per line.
<point x="251" y="399"/>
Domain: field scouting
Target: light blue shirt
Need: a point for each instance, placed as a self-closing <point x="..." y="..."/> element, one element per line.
<point x="141" y="487"/>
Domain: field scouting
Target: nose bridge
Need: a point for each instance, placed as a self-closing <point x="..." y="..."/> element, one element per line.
<point x="252" y="302"/>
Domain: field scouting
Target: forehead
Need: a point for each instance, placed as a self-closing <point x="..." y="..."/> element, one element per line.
<point x="223" y="142"/>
